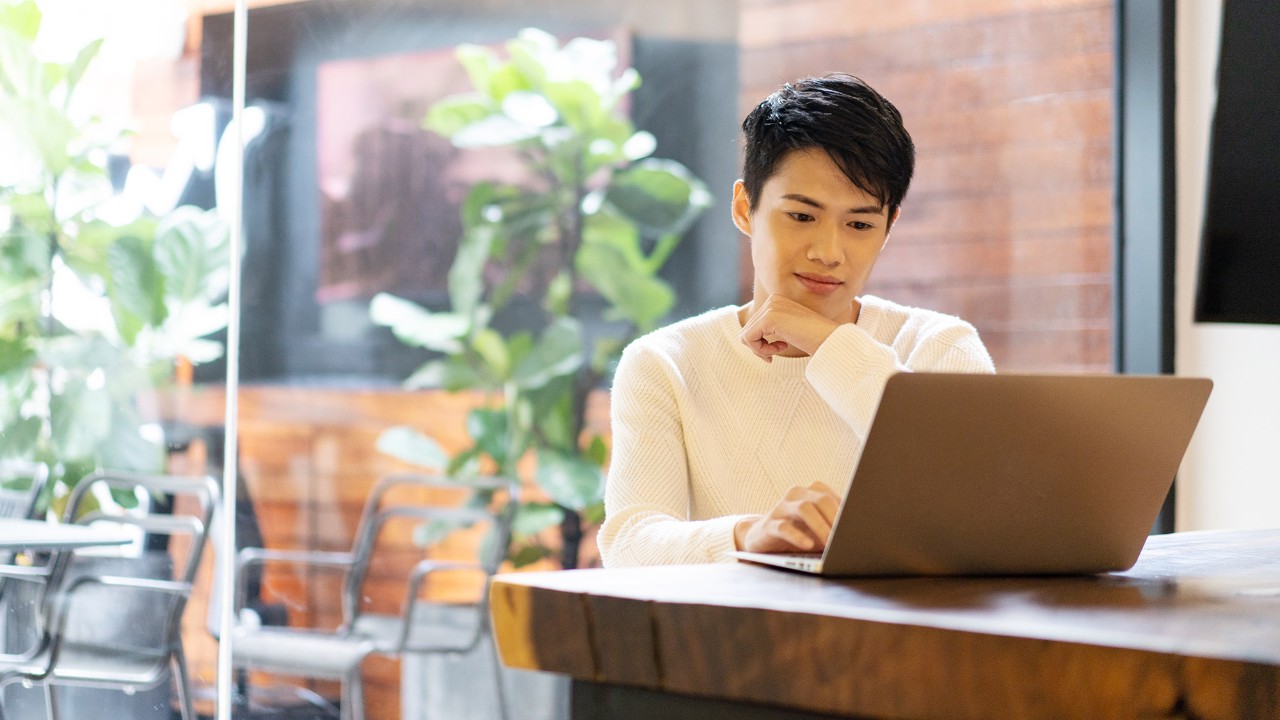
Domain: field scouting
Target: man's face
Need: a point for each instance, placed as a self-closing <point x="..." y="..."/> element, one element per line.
<point x="814" y="235"/>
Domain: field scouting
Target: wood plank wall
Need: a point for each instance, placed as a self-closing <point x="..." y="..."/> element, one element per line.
<point x="1009" y="220"/>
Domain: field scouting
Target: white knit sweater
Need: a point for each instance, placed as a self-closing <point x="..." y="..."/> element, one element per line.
<point x="705" y="432"/>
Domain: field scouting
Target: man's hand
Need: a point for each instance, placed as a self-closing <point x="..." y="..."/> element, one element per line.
<point x="780" y="324"/>
<point x="800" y="522"/>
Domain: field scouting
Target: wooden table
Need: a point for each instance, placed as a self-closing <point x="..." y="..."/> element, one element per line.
<point x="29" y="535"/>
<point x="1191" y="631"/>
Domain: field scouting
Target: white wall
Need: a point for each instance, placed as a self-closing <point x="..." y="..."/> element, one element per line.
<point x="1231" y="475"/>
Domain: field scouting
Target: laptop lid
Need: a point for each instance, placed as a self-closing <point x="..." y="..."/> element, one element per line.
<point x="1013" y="474"/>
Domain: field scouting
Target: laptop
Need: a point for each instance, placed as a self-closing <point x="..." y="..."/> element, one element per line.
<point x="1009" y="475"/>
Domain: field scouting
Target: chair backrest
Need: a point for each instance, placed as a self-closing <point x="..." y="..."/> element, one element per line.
<point x="446" y="505"/>
<point x="155" y="575"/>
<point x="21" y="484"/>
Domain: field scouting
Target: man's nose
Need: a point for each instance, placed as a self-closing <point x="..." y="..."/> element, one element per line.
<point x="825" y="247"/>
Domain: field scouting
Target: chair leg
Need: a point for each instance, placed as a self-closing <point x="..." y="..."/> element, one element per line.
<point x="182" y="683"/>
<point x="353" y="695"/>
<point x="50" y="707"/>
<point x="499" y="689"/>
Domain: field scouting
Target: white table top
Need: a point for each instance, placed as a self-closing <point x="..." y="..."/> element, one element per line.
<point x="40" y="535"/>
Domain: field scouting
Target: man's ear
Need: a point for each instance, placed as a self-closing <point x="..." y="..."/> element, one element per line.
<point x="740" y="208"/>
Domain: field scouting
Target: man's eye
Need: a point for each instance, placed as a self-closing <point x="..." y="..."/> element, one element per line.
<point x="801" y="217"/>
<point x="859" y="225"/>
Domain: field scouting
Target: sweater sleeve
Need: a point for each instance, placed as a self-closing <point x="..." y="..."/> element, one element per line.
<point x="647" y="494"/>
<point x="851" y="368"/>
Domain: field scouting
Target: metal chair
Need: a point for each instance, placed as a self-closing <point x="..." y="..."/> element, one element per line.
<point x="21" y="502"/>
<point x="21" y="484"/>
<point x="420" y="626"/>
<point x="88" y="639"/>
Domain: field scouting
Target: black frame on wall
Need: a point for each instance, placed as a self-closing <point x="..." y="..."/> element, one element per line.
<point x="1145" y="200"/>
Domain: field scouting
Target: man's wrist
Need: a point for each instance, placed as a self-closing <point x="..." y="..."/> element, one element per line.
<point x="740" y="530"/>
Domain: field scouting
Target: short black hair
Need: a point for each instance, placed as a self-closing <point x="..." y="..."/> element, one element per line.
<point x="858" y="128"/>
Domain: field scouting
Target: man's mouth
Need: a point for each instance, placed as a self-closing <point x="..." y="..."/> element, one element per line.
<point x="821" y="284"/>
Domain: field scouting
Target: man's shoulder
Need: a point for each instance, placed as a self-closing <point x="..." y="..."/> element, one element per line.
<point x="689" y="340"/>
<point x="684" y="335"/>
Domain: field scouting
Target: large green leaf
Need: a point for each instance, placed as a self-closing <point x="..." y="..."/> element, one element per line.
<point x="78" y="351"/>
<point x="479" y="62"/>
<point x="492" y="349"/>
<point x="409" y="445"/>
<point x="19" y="300"/>
<point x="75" y="71"/>
<point x="21" y="18"/>
<point x="493" y="131"/>
<point x="593" y="514"/>
<point x="135" y="285"/>
<point x="488" y="428"/>
<point x="450" y="115"/>
<point x="188" y="321"/>
<point x="569" y="480"/>
<point x="192" y="250"/>
<point x="86" y="253"/>
<point x="453" y="373"/>
<point x="31" y="211"/>
<point x="46" y="130"/>
<point x="429" y="375"/>
<point x="199" y="350"/>
<point x="559" y="292"/>
<point x="18" y="439"/>
<point x="529" y="108"/>
<point x="16" y="357"/>
<point x="577" y="103"/>
<point x="532" y="53"/>
<point x="608" y="228"/>
<point x="661" y="195"/>
<point x="551" y="410"/>
<point x="626" y="82"/>
<point x="640" y="298"/>
<point x="558" y="352"/>
<point x="533" y="518"/>
<point x="596" y="452"/>
<point x="126" y="448"/>
<point x="80" y="419"/>
<point x="507" y="79"/>
<point x="466" y="274"/>
<point x="528" y="555"/>
<point x="415" y="325"/>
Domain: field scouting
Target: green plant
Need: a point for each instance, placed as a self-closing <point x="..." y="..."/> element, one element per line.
<point x="597" y="217"/>
<point x="97" y="297"/>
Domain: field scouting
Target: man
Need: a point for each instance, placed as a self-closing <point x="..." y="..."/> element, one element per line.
<point x="739" y="429"/>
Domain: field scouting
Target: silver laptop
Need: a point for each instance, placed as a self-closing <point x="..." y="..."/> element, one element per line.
<point x="1009" y="475"/>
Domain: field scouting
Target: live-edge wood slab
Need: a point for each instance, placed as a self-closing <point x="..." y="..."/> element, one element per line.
<point x="1191" y="631"/>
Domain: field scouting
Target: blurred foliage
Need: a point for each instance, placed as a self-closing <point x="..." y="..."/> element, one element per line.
<point x="97" y="296"/>
<point x="598" y="212"/>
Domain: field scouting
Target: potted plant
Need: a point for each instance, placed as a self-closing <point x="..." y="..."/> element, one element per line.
<point x="594" y="224"/>
<point x="98" y="297"/>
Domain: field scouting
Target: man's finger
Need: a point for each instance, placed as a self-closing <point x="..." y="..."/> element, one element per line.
<point x="814" y="520"/>
<point x="787" y="532"/>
